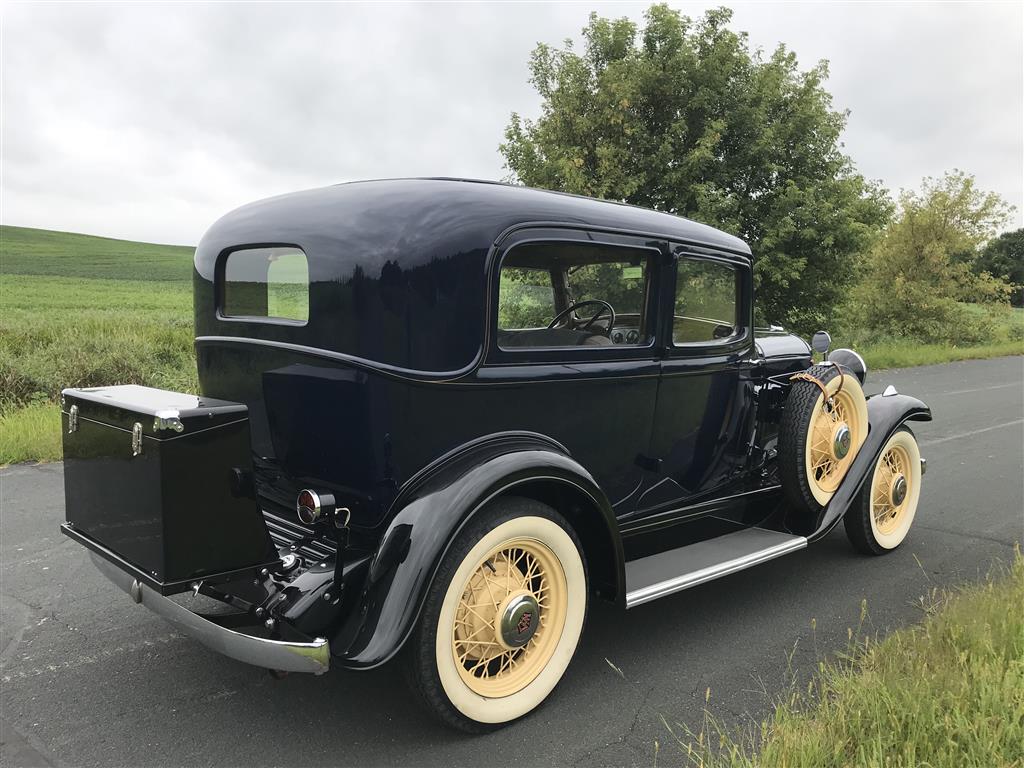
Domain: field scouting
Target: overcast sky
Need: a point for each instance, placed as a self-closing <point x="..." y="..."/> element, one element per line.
<point x="150" y="121"/>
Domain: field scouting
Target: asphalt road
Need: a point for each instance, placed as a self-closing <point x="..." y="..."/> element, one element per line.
<point x="88" y="678"/>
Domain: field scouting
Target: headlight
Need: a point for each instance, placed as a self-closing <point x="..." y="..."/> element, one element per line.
<point x="851" y="361"/>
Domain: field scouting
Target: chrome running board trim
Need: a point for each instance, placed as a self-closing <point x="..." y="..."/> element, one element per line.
<point x="707" y="560"/>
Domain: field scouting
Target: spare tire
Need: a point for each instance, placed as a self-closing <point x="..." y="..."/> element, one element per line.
<point x="820" y="435"/>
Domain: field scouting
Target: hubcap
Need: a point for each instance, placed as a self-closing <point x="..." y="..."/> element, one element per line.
<point x="841" y="442"/>
<point x="899" y="490"/>
<point x="520" y="618"/>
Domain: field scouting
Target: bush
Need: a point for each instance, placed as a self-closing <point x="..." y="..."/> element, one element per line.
<point x="917" y="281"/>
<point x="1003" y="257"/>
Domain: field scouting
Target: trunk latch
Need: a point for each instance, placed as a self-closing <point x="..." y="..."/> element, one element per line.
<point x="136" y="439"/>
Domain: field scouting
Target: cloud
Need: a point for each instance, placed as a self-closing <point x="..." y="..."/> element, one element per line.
<point x="150" y="121"/>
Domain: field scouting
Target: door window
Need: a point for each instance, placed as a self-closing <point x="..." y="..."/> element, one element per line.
<point x="706" y="305"/>
<point x="558" y="295"/>
<point x="526" y="298"/>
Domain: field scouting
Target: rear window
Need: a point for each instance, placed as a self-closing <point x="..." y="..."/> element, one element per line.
<point x="266" y="283"/>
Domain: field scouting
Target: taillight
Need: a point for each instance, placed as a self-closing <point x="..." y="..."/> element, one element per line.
<point x="312" y="506"/>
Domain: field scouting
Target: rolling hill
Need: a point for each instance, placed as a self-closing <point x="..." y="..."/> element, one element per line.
<point x="25" y="251"/>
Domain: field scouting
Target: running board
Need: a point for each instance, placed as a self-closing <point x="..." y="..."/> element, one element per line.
<point x="667" y="572"/>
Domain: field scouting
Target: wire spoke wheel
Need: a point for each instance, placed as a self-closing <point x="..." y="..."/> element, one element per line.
<point x="881" y="517"/>
<point x="823" y="426"/>
<point x="891" y="489"/>
<point x="502" y="618"/>
<point x="509" y="618"/>
<point x="834" y="429"/>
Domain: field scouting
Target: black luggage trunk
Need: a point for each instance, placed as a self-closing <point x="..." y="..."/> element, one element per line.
<point x="152" y="476"/>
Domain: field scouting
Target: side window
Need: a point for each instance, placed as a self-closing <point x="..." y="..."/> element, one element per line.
<point x="526" y="298"/>
<point x="571" y="294"/>
<point x="706" y="305"/>
<point x="266" y="283"/>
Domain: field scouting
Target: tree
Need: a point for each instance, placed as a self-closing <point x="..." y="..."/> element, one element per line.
<point x="1003" y="257"/>
<point x="685" y="118"/>
<point x="918" y="280"/>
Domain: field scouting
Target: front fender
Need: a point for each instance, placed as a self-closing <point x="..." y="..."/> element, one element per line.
<point x="428" y="520"/>
<point x="886" y="413"/>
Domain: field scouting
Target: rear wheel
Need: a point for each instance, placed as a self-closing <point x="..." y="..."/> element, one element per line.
<point x="880" y="518"/>
<point x="503" y="617"/>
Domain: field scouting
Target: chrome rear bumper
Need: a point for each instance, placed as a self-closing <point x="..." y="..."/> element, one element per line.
<point x="311" y="657"/>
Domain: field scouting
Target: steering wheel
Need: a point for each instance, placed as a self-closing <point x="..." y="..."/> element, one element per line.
<point x="604" y="308"/>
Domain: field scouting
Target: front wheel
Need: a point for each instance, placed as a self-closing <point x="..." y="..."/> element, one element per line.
<point x="502" y="618"/>
<point x="880" y="518"/>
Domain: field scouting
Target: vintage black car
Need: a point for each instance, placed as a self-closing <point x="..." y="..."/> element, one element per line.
<point x="439" y="417"/>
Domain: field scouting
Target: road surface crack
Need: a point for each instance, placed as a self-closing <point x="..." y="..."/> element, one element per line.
<point x="587" y="757"/>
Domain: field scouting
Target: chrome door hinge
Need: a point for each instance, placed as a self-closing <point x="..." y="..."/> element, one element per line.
<point x="73" y="419"/>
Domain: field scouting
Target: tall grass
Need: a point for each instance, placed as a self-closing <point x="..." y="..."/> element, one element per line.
<point x="31" y="433"/>
<point x="948" y="693"/>
<point x="77" y="332"/>
<point x="906" y="354"/>
<point x="998" y="330"/>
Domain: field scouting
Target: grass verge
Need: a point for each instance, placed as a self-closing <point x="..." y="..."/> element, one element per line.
<point x="58" y="332"/>
<point x="31" y="433"/>
<point x="948" y="693"/>
<point x="907" y="354"/>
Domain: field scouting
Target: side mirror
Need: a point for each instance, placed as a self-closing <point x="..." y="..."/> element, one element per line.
<point x="820" y="342"/>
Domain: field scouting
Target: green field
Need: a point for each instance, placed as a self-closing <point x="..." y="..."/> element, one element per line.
<point x="85" y="311"/>
<point x="77" y="310"/>
<point x="25" y="251"/>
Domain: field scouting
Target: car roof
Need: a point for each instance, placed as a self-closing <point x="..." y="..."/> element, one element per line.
<point x="398" y="268"/>
<point x="597" y="212"/>
<point x="430" y="211"/>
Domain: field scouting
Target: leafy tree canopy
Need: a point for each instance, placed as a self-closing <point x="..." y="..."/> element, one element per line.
<point x="684" y="117"/>
<point x="918" y="281"/>
<point x="1004" y="257"/>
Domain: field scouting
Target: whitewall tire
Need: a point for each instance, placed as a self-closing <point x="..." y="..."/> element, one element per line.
<point x="503" y="617"/>
<point x="880" y="518"/>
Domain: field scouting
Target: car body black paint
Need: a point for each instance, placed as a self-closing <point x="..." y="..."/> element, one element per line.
<point x="396" y="398"/>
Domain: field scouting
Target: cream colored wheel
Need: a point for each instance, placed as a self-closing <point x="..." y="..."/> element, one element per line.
<point x="824" y="424"/>
<point x="881" y="519"/>
<point x="895" y="490"/>
<point x="510" y="611"/>
<point x="836" y="432"/>
<point x="509" y="618"/>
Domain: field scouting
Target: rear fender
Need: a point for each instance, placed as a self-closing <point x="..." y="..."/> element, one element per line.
<point x="434" y="506"/>
<point x="886" y="413"/>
